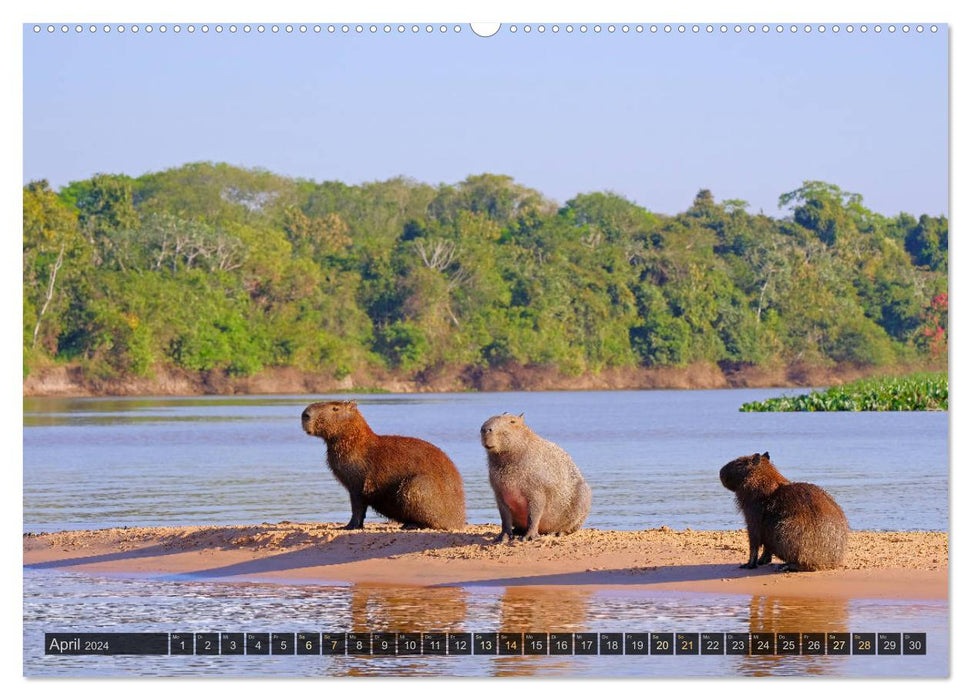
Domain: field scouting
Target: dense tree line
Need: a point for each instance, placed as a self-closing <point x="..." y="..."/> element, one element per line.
<point x="212" y="267"/>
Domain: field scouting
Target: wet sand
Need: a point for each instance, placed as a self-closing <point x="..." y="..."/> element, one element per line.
<point x="895" y="565"/>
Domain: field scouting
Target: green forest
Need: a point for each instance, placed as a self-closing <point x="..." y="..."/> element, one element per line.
<point x="211" y="267"/>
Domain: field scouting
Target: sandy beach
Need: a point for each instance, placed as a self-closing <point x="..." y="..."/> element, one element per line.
<point x="897" y="565"/>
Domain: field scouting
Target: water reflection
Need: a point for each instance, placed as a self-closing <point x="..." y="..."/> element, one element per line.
<point x="544" y="609"/>
<point x="56" y="601"/>
<point x="540" y="610"/>
<point x="775" y="614"/>
<point x="408" y="609"/>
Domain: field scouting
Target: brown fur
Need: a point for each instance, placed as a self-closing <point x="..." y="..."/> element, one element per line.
<point x="403" y="478"/>
<point x="799" y="523"/>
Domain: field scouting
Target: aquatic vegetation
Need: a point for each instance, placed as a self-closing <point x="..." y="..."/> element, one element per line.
<point x="916" y="392"/>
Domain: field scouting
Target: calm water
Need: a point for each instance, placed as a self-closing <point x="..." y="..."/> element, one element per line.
<point x="652" y="459"/>
<point x="64" y="602"/>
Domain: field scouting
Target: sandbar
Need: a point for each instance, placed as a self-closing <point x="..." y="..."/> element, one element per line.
<point x="894" y="565"/>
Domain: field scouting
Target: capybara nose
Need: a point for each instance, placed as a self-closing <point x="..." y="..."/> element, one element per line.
<point x="305" y="416"/>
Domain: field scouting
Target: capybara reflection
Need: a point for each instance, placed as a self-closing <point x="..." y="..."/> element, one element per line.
<point x="799" y="523"/>
<point x="538" y="488"/>
<point x="403" y="478"/>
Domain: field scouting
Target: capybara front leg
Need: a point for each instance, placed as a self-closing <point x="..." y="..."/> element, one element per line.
<point x="358" y="509"/>
<point x="505" y="515"/>
<point x="753" y="551"/>
<point x="536" y="507"/>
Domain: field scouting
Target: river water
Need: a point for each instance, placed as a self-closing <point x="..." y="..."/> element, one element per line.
<point x="651" y="458"/>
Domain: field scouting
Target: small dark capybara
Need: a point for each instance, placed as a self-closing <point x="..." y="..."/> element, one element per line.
<point x="797" y="522"/>
<point x="538" y="488"/>
<point x="403" y="478"/>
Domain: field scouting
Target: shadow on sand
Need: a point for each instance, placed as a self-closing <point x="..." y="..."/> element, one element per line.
<point x="329" y="548"/>
<point x="637" y="576"/>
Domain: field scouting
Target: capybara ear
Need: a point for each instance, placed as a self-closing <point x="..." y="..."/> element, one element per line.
<point x="522" y="415"/>
<point x="765" y="455"/>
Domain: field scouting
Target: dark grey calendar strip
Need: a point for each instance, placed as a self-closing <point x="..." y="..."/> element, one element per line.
<point x="485" y="643"/>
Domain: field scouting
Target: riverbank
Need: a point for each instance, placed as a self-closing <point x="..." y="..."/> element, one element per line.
<point x="72" y="381"/>
<point x="895" y="565"/>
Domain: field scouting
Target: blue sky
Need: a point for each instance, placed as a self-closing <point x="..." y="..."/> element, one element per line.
<point x="653" y="117"/>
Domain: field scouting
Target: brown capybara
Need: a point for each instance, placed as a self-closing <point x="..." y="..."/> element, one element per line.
<point x="538" y="488"/>
<point x="799" y="523"/>
<point x="403" y="478"/>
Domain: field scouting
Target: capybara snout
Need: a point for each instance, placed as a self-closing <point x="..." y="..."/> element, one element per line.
<point x="735" y="472"/>
<point x="487" y="437"/>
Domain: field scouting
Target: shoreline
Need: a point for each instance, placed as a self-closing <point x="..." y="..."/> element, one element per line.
<point x="887" y="565"/>
<point x="71" y="381"/>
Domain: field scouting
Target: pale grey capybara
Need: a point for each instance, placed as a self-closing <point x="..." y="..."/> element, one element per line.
<point x="538" y="488"/>
<point x="797" y="522"/>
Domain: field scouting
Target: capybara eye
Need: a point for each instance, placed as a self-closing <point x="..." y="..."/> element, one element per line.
<point x="335" y="409"/>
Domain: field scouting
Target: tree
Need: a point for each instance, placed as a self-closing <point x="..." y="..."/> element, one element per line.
<point x="618" y="220"/>
<point x="213" y="268"/>
<point x="927" y="243"/>
<point x="51" y="241"/>
<point x="496" y="196"/>
<point x="932" y="336"/>
<point x="824" y="209"/>
<point x="106" y="215"/>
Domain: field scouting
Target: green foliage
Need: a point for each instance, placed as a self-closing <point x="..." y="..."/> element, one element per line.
<point x="55" y="256"/>
<point x="404" y="345"/>
<point x="916" y="392"/>
<point x="927" y="243"/>
<point x="209" y="267"/>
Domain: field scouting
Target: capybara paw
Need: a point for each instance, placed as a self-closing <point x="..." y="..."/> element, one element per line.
<point x="502" y="538"/>
<point x="746" y="565"/>
<point x="786" y="568"/>
<point x="353" y="526"/>
<point x="530" y="536"/>
<point x="410" y="526"/>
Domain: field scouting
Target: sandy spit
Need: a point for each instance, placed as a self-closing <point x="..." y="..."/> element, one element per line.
<point x="899" y="565"/>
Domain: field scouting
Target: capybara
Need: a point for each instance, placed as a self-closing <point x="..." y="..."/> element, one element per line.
<point x="538" y="488"/>
<point x="403" y="478"/>
<point x="799" y="523"/>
